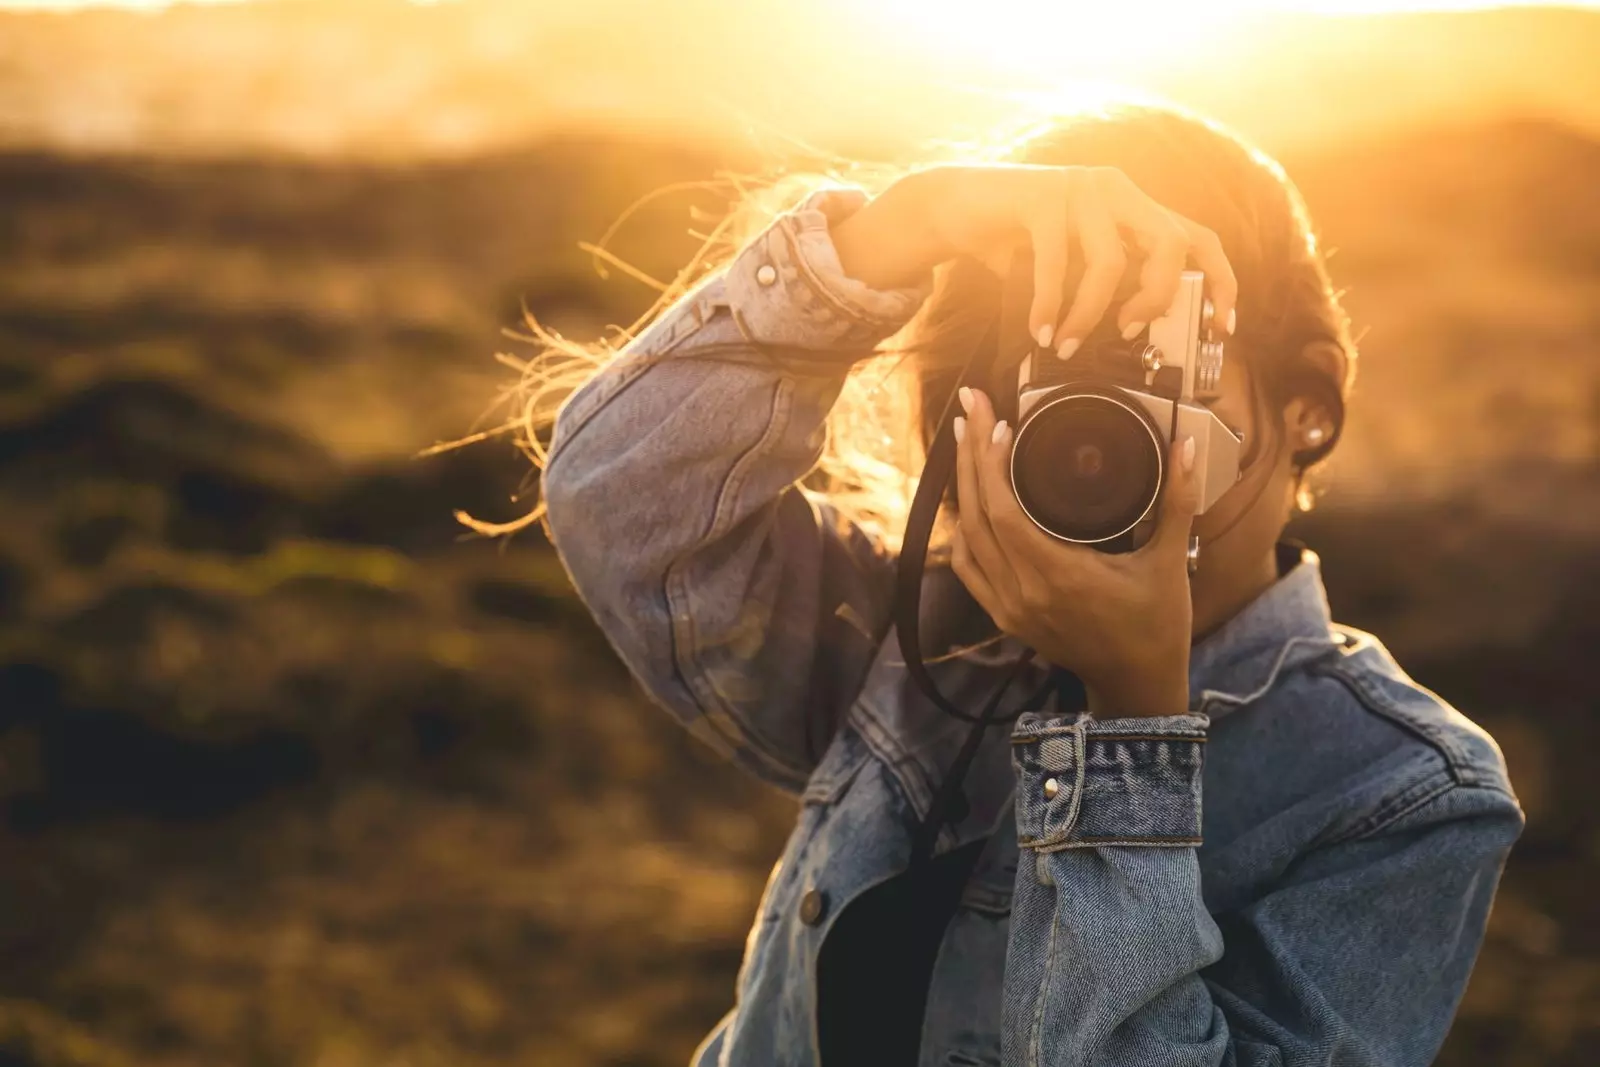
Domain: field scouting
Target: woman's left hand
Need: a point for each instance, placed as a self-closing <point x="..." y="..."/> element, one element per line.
<point x="1122" y="623"/>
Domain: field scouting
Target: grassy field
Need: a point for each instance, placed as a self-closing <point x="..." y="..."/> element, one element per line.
<point x="293" y="772"/>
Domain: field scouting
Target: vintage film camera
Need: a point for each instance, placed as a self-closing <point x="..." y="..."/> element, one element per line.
<point x="1089" y="462"/>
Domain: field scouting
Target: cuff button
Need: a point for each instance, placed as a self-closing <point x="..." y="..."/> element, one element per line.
<point x="1052" y="787"/>
<point x="766" y="274"/>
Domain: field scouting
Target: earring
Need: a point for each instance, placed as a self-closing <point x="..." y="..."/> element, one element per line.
<point x="1314" y="436"/>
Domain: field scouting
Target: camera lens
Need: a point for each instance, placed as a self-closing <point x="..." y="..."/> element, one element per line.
<point x="1087" y="466"/>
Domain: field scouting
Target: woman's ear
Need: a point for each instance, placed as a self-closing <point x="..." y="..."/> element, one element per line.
<point x="1307" y="425"/>
<point x="1311" y="422"/>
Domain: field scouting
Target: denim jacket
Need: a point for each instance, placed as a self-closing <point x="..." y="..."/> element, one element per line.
<point x="1323" y="906"/>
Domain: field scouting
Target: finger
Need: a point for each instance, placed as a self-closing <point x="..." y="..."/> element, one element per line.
<point x="980" y="416"/>
<point x="971" y="574"/>
<point x="1205" y="247"/>
<point x="1179" y="501"/>
<point x="1166" y="247"/>
<point x="1105" y="261"/>
<point x="1049" y="231"/>
<point x="968" y="505"/>
<point x="1012" y="530"/>
<point x="978" y="535"/>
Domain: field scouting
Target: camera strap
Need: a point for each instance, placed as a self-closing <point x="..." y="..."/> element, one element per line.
<point x="937" y="471"/>
<point x="950" y="805"/>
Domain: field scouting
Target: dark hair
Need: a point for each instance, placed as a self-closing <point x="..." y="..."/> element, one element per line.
<point x="1292" y="331"/>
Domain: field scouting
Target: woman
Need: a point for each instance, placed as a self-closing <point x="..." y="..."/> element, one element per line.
<point x="730" y="521"/>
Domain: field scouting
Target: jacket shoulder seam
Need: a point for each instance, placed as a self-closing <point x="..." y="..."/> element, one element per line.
<point x="1429" y="791"/>
<point x="1412" y="798"/>
<point x="1374" y="700"/>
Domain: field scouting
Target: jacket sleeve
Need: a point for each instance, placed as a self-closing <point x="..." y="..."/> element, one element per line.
<point x="743" y="606"/>
<point x="1357" y="957"/>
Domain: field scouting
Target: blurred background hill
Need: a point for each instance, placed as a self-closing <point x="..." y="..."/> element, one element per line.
<point x="292" y="772"/>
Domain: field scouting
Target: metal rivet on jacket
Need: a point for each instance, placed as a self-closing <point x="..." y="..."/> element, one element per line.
<point x="813" y="905"/>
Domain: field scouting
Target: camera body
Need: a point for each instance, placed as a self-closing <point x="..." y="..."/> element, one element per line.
<point x="1089" y="459"/>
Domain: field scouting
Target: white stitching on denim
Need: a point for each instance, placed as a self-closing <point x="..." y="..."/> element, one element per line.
<point x="1367" y="687"/>
<point x="741" y="738"/>
<point x="809" y="277"/>
<point x="1277" y="668"/>
<point x="1121" y="842"/>
<point x="1036" y="1038"/>
<point x="1049" y="839"/>
<point x="907" y="771"/>
<point x="1080" y="756"/>
<point x="1396" y="808"/>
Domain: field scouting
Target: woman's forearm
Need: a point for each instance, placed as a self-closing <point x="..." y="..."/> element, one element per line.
<point x="891" y="243"/>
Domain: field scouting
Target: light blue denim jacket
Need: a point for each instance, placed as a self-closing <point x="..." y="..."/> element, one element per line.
<point x="1323" y="906"/>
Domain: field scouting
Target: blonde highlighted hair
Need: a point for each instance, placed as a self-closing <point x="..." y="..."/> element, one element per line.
<point x="1292" y="330"/>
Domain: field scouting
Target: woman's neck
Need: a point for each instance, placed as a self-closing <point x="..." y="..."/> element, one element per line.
<point x="1225" y="586"/>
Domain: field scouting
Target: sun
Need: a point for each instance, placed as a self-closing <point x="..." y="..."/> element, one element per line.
<point x="1127" y="41"/>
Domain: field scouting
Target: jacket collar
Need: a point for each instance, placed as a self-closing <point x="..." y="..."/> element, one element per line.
<point x="1287" y="624"/>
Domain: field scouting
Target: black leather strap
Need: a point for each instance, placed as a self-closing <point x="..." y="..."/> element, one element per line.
<point x="936" y="475"/>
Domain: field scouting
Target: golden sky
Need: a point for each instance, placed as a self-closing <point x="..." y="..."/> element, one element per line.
<point x="387" y="78"/>
<point x="1029" y="36"/>
<point x="950" y="9"/>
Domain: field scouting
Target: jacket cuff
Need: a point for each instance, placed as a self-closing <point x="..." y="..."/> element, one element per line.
<point x="1090" y="783"/>
<point x="787" y="287"/>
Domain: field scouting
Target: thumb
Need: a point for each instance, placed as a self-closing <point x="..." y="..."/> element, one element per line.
<point x="1179" y="500"/>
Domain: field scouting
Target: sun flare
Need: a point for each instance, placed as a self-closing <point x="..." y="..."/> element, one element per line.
<point x="1131" y="41"/>
<point x="1072" y="39"/>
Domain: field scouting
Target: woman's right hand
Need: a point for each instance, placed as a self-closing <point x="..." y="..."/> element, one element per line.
<point x="986" y="212"/>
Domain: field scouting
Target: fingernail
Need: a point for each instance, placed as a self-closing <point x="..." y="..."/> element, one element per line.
<point x="1186" y="455"/>
<point x="960" y="427"/>
<point x="1233" y="320"/>
<point x="1132" y="330"/>
<point x="1046" y="333"/>
<point x="999" y="431"/>
<point x="966" y="399"/>
<point x="1068" y="347"/>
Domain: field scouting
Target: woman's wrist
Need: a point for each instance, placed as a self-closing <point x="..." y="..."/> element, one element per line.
<point x="890" y="243"/>
<point x="1140" y="695"/>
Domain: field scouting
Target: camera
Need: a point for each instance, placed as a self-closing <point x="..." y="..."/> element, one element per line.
<point x="1089" y="459"/>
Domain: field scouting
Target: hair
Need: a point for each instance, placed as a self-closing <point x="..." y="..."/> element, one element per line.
<point x="1293" y="333"/>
